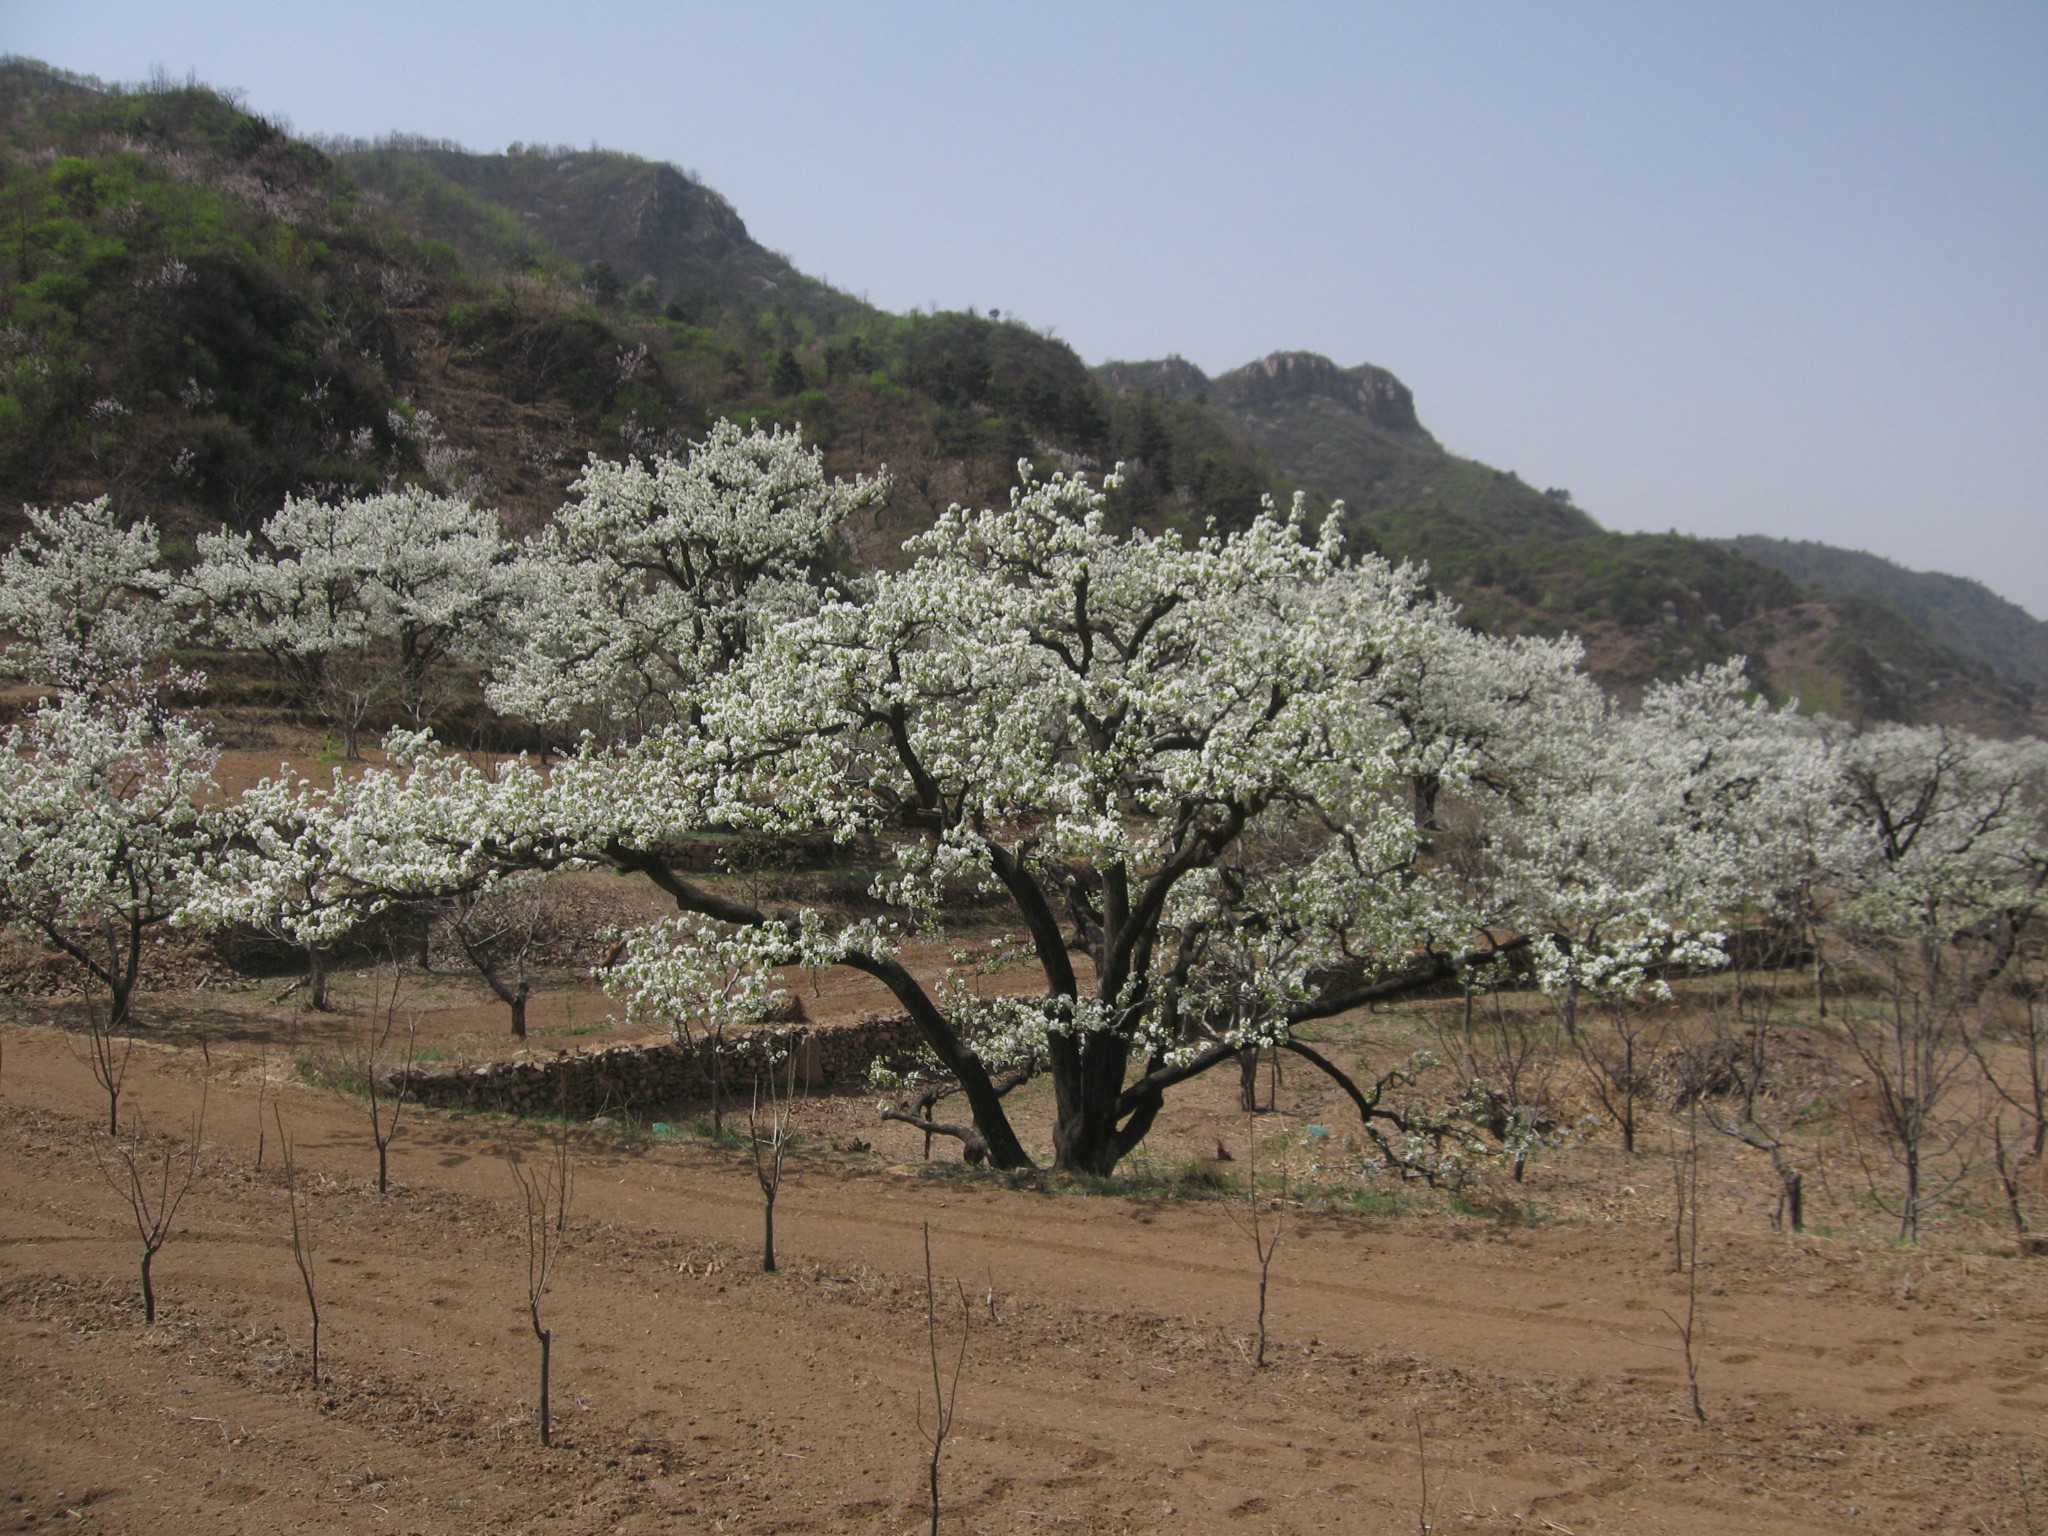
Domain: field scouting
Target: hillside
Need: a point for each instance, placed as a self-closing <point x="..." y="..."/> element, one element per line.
<point x="1965" y="615"/>
<point x="1523" y="560"/>
<point x="204" y="314"/>
<point x="662" y="238"/>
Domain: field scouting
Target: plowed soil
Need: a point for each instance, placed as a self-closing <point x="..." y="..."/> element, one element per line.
<point x="1428" y="1370"/>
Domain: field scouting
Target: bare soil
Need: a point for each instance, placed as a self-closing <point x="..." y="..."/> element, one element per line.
<point x="1502" y="1362"/>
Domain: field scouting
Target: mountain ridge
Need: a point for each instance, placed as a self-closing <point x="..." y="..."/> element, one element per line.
<point x="206" y="314"/>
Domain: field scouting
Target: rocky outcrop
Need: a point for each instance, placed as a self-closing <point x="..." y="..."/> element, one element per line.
<point x="1297" y="378"/>
<point x="1170" y="378"/>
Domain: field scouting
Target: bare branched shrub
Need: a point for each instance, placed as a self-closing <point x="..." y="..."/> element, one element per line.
<point x="497" y="930"/>
<point x="945" y="1388"/>
<point x="1692" y="1329"/>
<point x="544" y="1196"/>
<point x="1620" y="1061"/>
<point x="1913" y="1043"/>
<point x="153" y="1180"/>
<point x="1265" y="1234"/>
<point x="302" y="1233"/>
<point x="381" y="1068"/>
<point x="768" y="1134"/>
<point x="106" y="1054"/>
<point x="1752" y="1089"/>
<point x="2021" y="1092"/>
<point x="1505" y="1059"/>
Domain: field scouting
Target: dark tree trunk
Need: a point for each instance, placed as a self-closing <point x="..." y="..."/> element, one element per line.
<point x="316" y="978"/>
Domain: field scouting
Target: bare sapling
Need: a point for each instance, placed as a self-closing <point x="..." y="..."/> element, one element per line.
<point x="2023" y="1091"/>
<point x="385" y="1070"/>
<point x="1618" y="1065"/>
<point x="945" y="1388"/>
<point x="154" y="1181"/>
<point x="768" y="1133"/>
<point x="1912" y="1046"/>
<point x="302" y="1233"/>
<point x="496" y="930"/>
<point x="1692" y="1329"/>
<point x="107" y="1055"/>
<point x="1504" y="1060"/>
<point x="1265" y="1235"/>
<point x="1760" y="1103"/>
<point x="1425" y="1507"/>
<point x="544" y="1194"/>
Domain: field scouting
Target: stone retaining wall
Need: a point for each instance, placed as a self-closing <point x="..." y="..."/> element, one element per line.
<point x="626" y="1077"/>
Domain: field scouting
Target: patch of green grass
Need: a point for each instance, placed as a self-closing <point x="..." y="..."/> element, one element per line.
<point x="1375" y="1200"/>
<point x="560" y="1030"/>
<point x="1470" y="1202"/>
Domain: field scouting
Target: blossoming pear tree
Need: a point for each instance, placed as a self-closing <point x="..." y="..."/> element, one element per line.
<point x="101" y="827"/>
<point x="1172" y="759"/>
<point x="356" y="600"/>
<point x="656" y="576"/>
<point x="82" y="600"/>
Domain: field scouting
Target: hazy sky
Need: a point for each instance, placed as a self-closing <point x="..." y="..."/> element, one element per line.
<point x="1774" y="267"/>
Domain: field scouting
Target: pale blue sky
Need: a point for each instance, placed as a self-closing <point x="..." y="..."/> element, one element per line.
<point x="1727" y="268"/>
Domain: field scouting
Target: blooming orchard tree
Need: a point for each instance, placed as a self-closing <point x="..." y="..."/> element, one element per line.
<point x="83" y="600"/>
<point x="1641" y="831"/>
<point x="309" y="862"/>
<point x="1941" y="873"/>
<point x="658" y="576"/>
<point x="1173" y="760"/>
<point x="357" y="601"/>
<point x="101" y="827"/>
<point x="1948" y="839"/>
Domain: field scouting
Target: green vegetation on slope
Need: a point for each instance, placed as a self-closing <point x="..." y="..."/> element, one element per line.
<point x="1964" y="614"/>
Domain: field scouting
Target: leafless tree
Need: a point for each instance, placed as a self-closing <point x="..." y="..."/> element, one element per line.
<point x="302" y="1233"/>
<point x="497" y="931"/>
<point x="107" y="1055"/>
<point x="153" y="1180"/>
<point x="383" y="1069"/>
<point x="1504" y="1061"/>
<point x="1746" y="1095"/>
<point x="1692" y="1330"/>
<point x="768" y="1133"/>
<point x="544" y="1194"/>
<point x="1618" y="1063"/>
<point x="2024" y="1094"/>
<point x="945" y="1388"/>
<point x="1265" y="1235"/>
<point x="1913" y="1044"/>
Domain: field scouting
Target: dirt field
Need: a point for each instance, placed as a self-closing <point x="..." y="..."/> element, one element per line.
<point x="1434" y="1365"/>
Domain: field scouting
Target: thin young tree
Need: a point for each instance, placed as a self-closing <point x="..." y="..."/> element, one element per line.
<point x="1760" y="1107"/>
<point x="1913" y="1045"/>
<point x="302" y="1233"/>
<point x="768" y="1134"/>
<point x="1265" y="1236"/>
<point x="2025" y="1092"/>
<point x="153" y="1179"/>
<point x="1692" y="1330"/>
<point x="384" y="1069"/>
<point x="544" y="1197"/>
<point x="945" y="1388"/>
<point x="107" y="1056"/>
<point x="496" y="928"/>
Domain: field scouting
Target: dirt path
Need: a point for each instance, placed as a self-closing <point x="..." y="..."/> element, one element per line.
<point x="1106" y="1388"/>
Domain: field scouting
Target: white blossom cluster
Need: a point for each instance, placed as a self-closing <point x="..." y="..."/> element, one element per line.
<point x="82" y="600"/>
<point x="1220" y="785"/>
